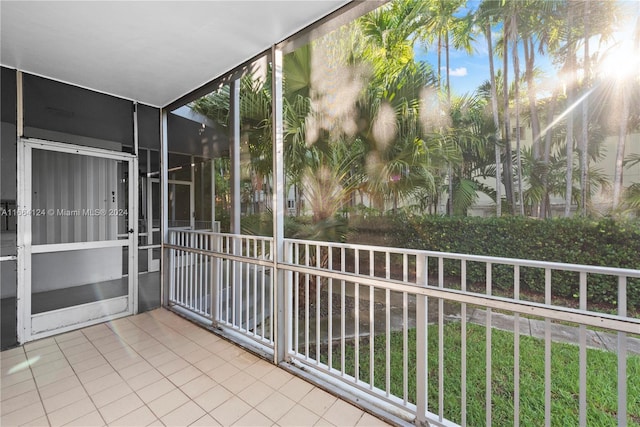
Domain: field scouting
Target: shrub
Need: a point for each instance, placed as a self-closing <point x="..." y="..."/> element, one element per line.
<point x="605" y="242"/>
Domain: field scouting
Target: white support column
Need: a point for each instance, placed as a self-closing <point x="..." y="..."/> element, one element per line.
<point x="164" y="203"/>
<point x="192" y="194"/>
<point x="279" y="209"/>
<point x="24" y="229"/>
<point x="234" y="153"/>
<point x="132" y="212"/>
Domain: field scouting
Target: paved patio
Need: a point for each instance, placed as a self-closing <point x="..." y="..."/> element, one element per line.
<point x="157" y="368"/>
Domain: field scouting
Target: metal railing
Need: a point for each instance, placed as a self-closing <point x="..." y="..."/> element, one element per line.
<point x="380" y="321"/>
<point x="225" y="279"/>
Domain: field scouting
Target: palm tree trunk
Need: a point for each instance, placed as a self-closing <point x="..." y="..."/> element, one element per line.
<point x="584" y="146"/>
<point x="622" y="137"/>
<point x="516" y="81"/>
<point x="508" y="167"/>
<point x="551" y="111"/>
<point x="571" y="64"/>
<point x="496" y="120"/>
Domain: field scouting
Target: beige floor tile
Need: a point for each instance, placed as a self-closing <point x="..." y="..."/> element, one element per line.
<point x="69" y="336"/>
<point x="139" y="417"/>
<point x="155" y="390"/>
<point x="12" y="364"/>
<point x="143" y="343"/>
<point x="318" y="401"/>
<point x="51" y="377"/>
<point x="187" y="349"/>
<point x="275" y="406"/>
<point x="342" y="413"/>
<point x="11" y="352"/>
<point x="23" y="415"/>
<point x="135" y="370"/>
<point x="168" y="402"/>
<point x="71" y="412"/>
<point x="20" y="401"/>
<point x="296" y="388"/>
<point x="144" y="379"/>
<point x="92" y="419"/>
<point x="67" y="344"/>
<point x="222" y="372"/>
<point x="244" y="360"/>
<point x="17" y="377"/>
<point x="277" y="378"/>
<point x="211" y="399"/>
<point x="153" y="351"/>
<point x="40" y="422"/>
<point x="230" y="353"/>
<point x="298" y="416"/>
<point x="111" y="394"/>
<point x="209" y="363"/>
<point x="40" y="360"/>
<point x="14" y="390"/>
<point x="323" y="423"/>
<point x="206" y="421"/>
<point x="88" y="353"/>
<point x="231" y="411"/>
<point x="368" y="420"/>
<point x="197" y="386"/>
<point x="253" y="418"/>
<point x="197" y="355"/>
<point x="95" y="373"/>
<point x="238" y="382"/>
<point x="43" y="351"/>
<point x="39" y="369"/>
<point x="104" y="382"/>
<point x="91" y="363"/>
<point x="65" y="398"/>
<point x="59" y="387"/>
<point x="256" y="393"/>
<point x="125" y="359"/>
<point x="120" y="407"/>
<point x="172" y="366"/>
<point x="184" y="415"/>
<point x="38" y="344"/>
<point x="161" y="358"/>
<point x="97" y="331"/>
<point x="185" y="375"/>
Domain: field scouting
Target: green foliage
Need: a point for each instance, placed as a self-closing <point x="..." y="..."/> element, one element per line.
<point x="601" y="389"/>
<point x="605" y="242"/>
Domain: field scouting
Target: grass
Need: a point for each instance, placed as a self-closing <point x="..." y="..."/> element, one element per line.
<point x="601" y="377"/>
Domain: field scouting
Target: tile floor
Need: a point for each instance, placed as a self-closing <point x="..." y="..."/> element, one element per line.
<point x="157" y="369"/>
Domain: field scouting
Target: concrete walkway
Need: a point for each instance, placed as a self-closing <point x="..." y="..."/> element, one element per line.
<point x="528" y="327"/>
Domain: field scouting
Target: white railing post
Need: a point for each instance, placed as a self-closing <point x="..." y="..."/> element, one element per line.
<point x="421" y="343"/>
<point x="279" y="208"/>
<point x="214" y="291"/>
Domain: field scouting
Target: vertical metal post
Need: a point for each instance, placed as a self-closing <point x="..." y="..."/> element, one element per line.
<point x="279" y="198"/>
<point x="164" y="203"/>
<point x="234" y="153"/>
<point x="421" y="343"/>
<point x="22" y="235"/>
<point x="133" y="217"/>
<point x="213" y="196"/>
<point x="622" y="354"/>
<point x="192" y="195"/>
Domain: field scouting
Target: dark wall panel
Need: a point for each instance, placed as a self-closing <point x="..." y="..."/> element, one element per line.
<point x="148" y="127"/>
<point x="68" y="109"/>
<point x="8" y="92"/>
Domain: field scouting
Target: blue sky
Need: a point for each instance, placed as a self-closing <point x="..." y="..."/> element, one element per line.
<point x="468" y="71"/>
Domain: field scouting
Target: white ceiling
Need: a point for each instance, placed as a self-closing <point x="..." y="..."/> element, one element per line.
<point x="152" y="52"/>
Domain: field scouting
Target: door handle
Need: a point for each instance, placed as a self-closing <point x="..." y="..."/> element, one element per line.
<point x="130" y="231"/>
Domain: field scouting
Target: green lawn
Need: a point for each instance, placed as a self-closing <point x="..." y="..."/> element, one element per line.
<point x="601" y="377"/>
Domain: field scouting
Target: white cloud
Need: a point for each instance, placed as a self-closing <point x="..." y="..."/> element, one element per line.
<point x="458" y="72"/>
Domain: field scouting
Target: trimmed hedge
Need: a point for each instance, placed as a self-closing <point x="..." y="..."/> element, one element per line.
<point x="604" y="242"/>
